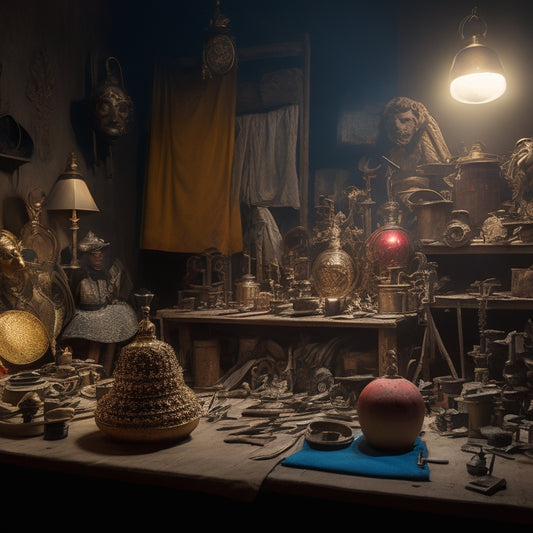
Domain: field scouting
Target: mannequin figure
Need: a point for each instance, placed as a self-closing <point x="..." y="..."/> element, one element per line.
<point x="103" y="317"/>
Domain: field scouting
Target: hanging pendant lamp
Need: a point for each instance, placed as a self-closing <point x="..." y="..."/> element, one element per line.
<point x="476" y="75"/>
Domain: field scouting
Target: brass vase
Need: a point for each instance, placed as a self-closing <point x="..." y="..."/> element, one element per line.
<point x="149" y="400"/>
<point x="334" y="273"/>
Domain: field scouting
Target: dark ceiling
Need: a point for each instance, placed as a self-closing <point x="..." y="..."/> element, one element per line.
<point x="362" y="53"/>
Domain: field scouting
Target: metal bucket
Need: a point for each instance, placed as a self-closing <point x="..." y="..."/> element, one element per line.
<point x="393" y="298"/>
<point x="431" y="219"/>
<point x="478" y="190"/>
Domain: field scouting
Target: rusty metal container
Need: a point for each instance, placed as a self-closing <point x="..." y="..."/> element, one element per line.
<point x="431" y="219"/>
<point x="478" y="187"/>
<point x="393" y="298"/>
<point x="522" y="282"/>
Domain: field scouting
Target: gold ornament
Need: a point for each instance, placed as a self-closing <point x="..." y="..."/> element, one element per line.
<point x="149" y="400"/>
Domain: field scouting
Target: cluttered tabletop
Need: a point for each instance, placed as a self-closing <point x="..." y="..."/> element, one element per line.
<point x="249" y="444"/>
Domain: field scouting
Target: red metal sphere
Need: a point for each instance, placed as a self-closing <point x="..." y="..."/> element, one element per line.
<point x="389" y="247"/>
<point x="391" y="413"/>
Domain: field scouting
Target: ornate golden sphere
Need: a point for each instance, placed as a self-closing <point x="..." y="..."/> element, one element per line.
<point x="334" y="273"/>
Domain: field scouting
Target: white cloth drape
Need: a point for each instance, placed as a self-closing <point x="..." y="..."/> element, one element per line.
<point x="265" y="162"/>
<point x="264" y="234"/>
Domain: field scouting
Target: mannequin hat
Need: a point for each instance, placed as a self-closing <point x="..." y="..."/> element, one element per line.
<point x="92" y="243"/>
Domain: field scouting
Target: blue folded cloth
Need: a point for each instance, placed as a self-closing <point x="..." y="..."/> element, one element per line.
<point x="360" y="459"/>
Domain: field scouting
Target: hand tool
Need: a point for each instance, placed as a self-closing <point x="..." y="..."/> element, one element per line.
<point x="421" y="461"/>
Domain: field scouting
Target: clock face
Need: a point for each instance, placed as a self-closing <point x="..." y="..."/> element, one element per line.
<point x="219" y="54"/>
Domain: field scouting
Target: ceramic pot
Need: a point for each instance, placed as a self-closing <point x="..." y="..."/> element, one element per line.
<point x="391" y="413"/>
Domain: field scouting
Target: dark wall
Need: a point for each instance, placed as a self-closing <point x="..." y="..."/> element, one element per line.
<point x="429" y="39"/>
<point x="52" y="54"/>
<point x="362" y="53"/>
<point x="343" y="68"/>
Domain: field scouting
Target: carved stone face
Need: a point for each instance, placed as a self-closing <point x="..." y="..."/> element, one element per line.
<point x="401" y="127"/>
<point x="112" y="111"/>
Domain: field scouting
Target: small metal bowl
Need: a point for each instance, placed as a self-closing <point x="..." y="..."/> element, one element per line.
<point x="328" y="435"/>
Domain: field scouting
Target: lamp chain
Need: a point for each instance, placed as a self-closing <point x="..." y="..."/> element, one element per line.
<point x="473" y="20"/>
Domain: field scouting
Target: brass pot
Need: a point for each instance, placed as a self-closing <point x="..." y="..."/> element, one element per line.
<point x="334" y="273"/>
<point x="431" y="219"/>
<point x="393" y="298"/>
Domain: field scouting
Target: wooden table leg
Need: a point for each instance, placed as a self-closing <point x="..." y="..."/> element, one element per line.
<point x="461" y="340"/>
<point x="387" y="340"/>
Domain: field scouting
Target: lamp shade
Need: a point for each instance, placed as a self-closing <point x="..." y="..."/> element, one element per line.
<point x="476" y="75"/>
<point x="70" y="192"/>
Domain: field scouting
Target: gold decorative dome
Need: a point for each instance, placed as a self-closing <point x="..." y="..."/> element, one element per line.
<point x="149" y="400"/>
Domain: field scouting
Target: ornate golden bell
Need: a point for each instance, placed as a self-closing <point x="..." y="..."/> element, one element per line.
<point x="149" y="400"/>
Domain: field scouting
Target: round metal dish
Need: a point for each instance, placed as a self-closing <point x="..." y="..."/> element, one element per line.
<point x="328" y="435"/>
<point x="21" y="429"/>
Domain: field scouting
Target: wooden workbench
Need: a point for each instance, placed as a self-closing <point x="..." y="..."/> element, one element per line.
<point x="387" y="326"/>
<point x="208" y="481"/>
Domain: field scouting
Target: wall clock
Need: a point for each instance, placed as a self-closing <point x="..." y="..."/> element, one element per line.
<point x="219" y="55"/>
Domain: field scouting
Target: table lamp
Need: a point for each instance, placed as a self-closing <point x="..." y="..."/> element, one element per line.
<point x="70" y="193"/>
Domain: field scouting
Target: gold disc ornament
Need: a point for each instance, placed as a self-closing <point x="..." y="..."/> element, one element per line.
<point x="23" y="337"/>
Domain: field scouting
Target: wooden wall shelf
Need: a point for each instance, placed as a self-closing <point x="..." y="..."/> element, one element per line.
<point x="480" y="248"/>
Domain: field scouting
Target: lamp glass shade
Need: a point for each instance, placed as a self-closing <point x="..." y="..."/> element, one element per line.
<point x="477" y="75"/>
<point x="71" y="194"/>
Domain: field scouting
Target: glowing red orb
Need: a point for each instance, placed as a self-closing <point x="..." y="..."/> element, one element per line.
<point x="389" y="248"/>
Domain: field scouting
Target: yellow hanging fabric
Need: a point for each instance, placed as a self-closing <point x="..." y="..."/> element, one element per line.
<point x="188" y="205"/>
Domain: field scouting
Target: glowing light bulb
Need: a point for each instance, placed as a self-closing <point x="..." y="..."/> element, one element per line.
<point x="478" y="88"/>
